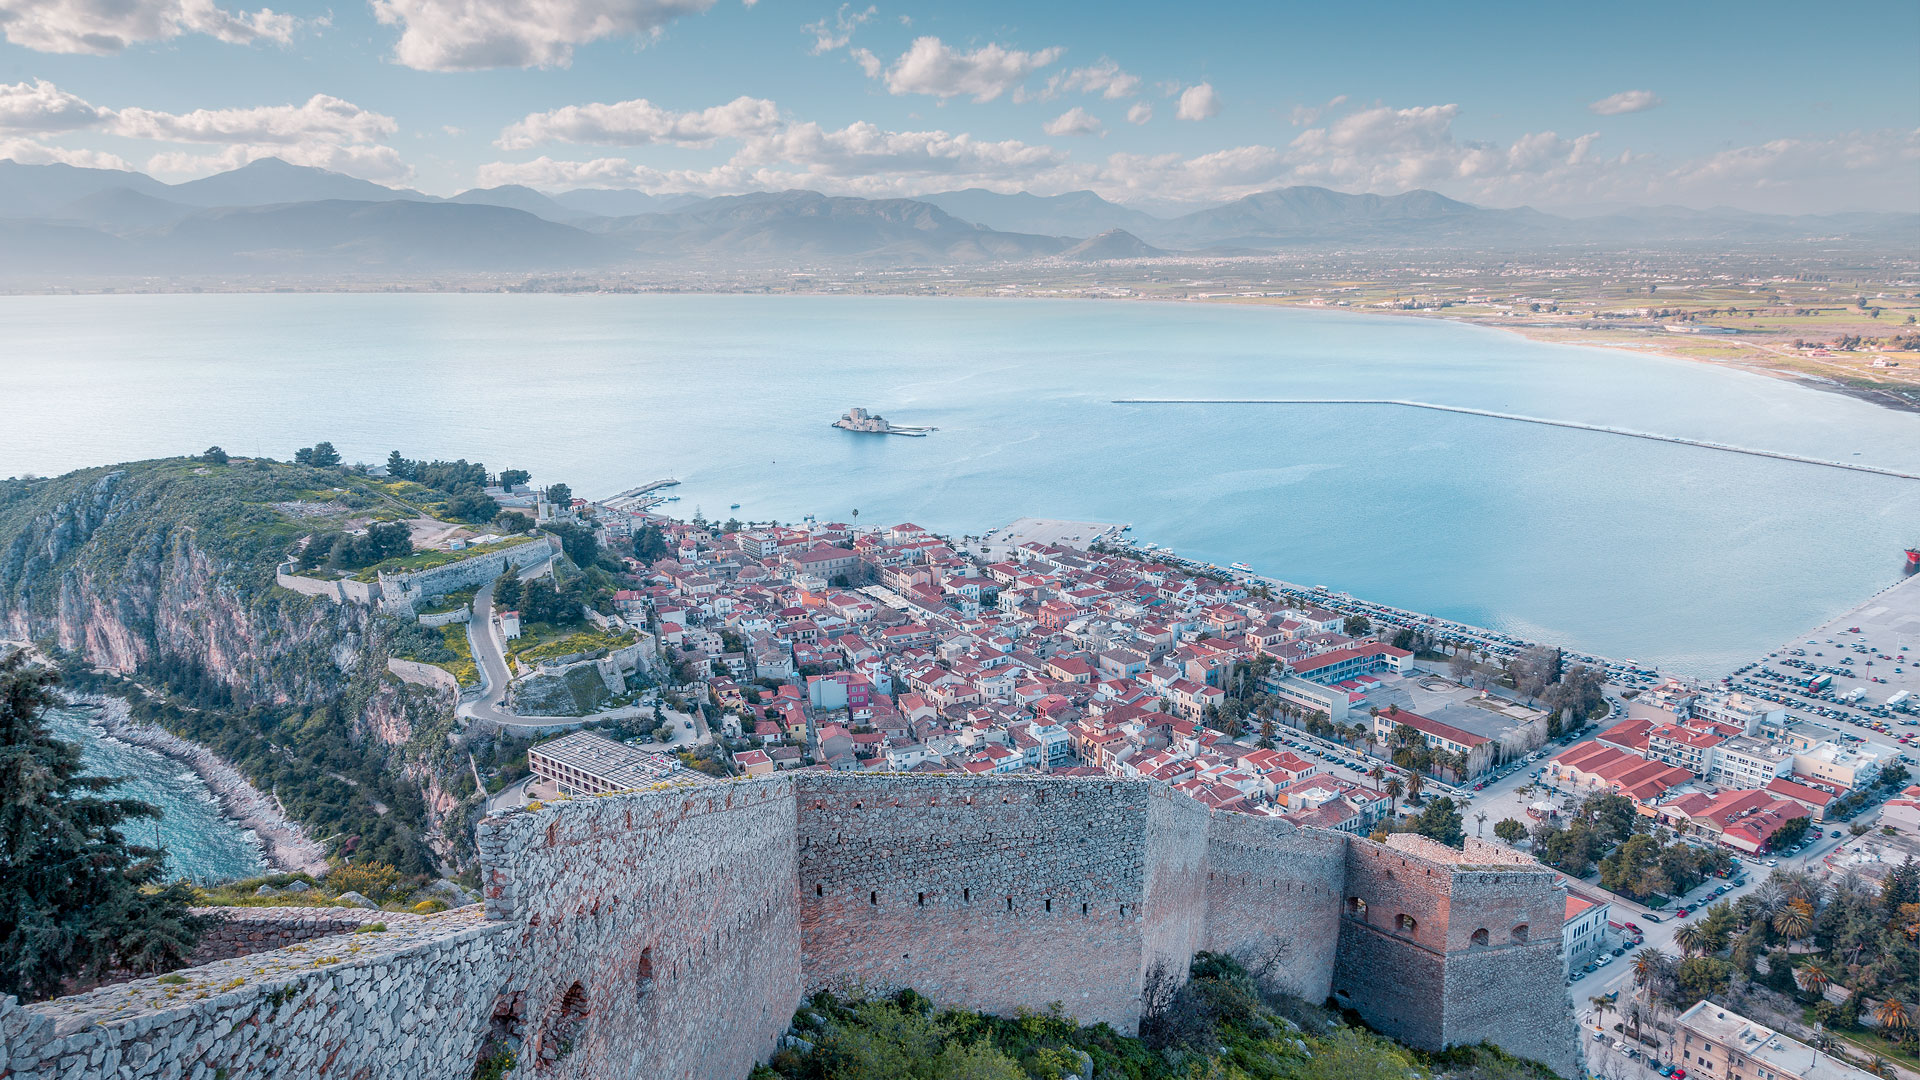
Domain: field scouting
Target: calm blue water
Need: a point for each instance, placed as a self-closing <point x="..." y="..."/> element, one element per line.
<point x="1694" y="559"/>
<point x="201" y="845"/>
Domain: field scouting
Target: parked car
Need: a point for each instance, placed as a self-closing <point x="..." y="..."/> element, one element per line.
<point x="1652" y="918"/>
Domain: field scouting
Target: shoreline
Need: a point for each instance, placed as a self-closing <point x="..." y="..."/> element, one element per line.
<point x="283" y="843"/>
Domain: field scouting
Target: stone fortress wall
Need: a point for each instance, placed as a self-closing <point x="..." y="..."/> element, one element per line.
<point x="671" y="933"/>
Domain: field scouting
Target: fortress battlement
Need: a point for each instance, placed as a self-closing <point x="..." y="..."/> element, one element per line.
<point x="671" y="933"/>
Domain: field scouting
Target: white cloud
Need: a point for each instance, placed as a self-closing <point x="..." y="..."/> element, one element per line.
<point x="1223" y="174"/>
<point x="639" y="122"/>
<point x="322" y="119"/>
<point x="1075" y="121"/>
<point x="1626" y="101"/>
<point x="108" y="26"/>
<point x="830" y="36"/>
<point x="1198" y="103"/>
<point x="868" y="62"/>
<point x="1104" y="78"/>
<point x="1140" y="113"/>
<point x="1307" y="114"/>
<point x="378" y="163"/>
<point x="42" y="106"/>
<point x="29" y="152"/>
<point x="324" y="131"/>
<point x="930" y="67"/>
<point x="465" y="35"/>
<point x="859" y="159"/>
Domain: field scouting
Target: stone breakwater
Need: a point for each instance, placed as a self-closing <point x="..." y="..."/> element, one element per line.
<point x="286" y="844"/>
<point x="671" y="933"/>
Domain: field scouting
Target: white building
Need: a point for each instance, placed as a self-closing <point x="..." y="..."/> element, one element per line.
<point x="1741" y="710"/>
<point x="1584" y="935"/>
<point x="1747" y="762"/>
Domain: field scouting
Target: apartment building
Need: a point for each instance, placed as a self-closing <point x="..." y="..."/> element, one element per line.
<point x="1715" y="1043"/>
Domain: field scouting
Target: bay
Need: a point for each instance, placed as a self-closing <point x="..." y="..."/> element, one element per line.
<point x="1693" y="559"/>
<point x="202" y="845"/>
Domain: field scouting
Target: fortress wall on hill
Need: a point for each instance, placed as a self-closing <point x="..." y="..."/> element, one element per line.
<point x="1273" y="895"/>
<point x="671" y="933"/>
<point x="656" y="934"/>
<point x="411" y="1002"/>
<point x="995" y="896"/>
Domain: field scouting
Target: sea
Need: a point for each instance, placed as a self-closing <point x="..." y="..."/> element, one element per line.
<point x="1689" y="558"/>
<point x="202" y="846"/>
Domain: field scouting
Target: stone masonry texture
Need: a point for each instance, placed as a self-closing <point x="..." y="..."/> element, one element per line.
<point x="671" y="933"/>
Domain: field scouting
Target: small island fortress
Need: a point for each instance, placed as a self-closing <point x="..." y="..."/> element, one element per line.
<point x="672" y="932"/>
<point x="858" y="419"/>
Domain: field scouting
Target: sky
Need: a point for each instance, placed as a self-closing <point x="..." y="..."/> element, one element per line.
<point x="1568" y="108"/>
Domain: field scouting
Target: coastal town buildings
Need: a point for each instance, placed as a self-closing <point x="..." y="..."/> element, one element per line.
<point x="1716" y="1043"/>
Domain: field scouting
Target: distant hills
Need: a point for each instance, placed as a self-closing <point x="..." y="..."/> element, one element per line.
<point x="271" y="217"/>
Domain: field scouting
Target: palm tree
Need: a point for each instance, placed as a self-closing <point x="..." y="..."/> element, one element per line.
<point x="1794" y="920"/>
<point x="1690" y="938"/>
<point x="1602" y="1005"/>
<point x="1394" y="790"/>
<point x="1811" y="977"/>
<point x="1415" y="782"/>
<point x="1480" y="824"/>
<point x="1768" y="899"/>
<point x="1377" y="774"/>
<point x="1894" y="1018"/>
<point x="1648" y="964"/>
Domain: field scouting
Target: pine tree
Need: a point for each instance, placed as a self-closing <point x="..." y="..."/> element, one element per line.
<point x="72" y="897"/>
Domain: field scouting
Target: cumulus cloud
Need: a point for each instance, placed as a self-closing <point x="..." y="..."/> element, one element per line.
<point x="1075" y="121"/>
<point x="369" y="162"/>
<point x="1198" y="103"/>
<point x="835" y="35"/>
<point x="859" y="159"/>
<point x="94" y="26"/>
<point x="41" y="106"/>
<point x="930" y="67"/>
<point x="1626" y="101"/>
<point x="1307" y="114"/>
<point x="322" y="119"/>
<point x="1104" y="78"/>
<point x="324" y="131"/>
<point x="1140" y="113"/>
<point x="1222" y="174"/>
<point x="466" y="35"/>
<point x="30" y="152"/>
<point x="639" y="122"/>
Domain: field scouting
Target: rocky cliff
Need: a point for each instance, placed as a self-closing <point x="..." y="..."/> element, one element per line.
<point x="162" y="573"/>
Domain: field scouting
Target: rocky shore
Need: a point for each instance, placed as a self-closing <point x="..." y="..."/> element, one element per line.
<point x="286" y="844"/>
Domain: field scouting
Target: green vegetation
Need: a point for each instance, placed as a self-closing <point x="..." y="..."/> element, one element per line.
<point x="1813" y="934"/>
<point x="543" y="641"/>
<point x="75" y="897"/>
<point x="335" y="551"/>
<point x="1221" y="1024"/>
<point x="440" y="605"/>
<point x="427" y="560"/>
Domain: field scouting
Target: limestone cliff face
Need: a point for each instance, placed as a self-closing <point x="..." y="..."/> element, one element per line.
<point x="109" y="568"/>
<point x="163" y="571"/>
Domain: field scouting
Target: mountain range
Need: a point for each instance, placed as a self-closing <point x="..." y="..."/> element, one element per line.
<point x="271" y="217"/>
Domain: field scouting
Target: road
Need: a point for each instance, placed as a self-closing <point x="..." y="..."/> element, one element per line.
<point x="489" y="652"/>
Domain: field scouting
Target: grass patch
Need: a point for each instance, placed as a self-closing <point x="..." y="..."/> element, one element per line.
<point x="461" y="667"/>
<point x="452" y="601"/>
<point x="542" y="641"/>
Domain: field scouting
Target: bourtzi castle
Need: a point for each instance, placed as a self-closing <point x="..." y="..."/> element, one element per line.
<point x="672" y="933"/>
